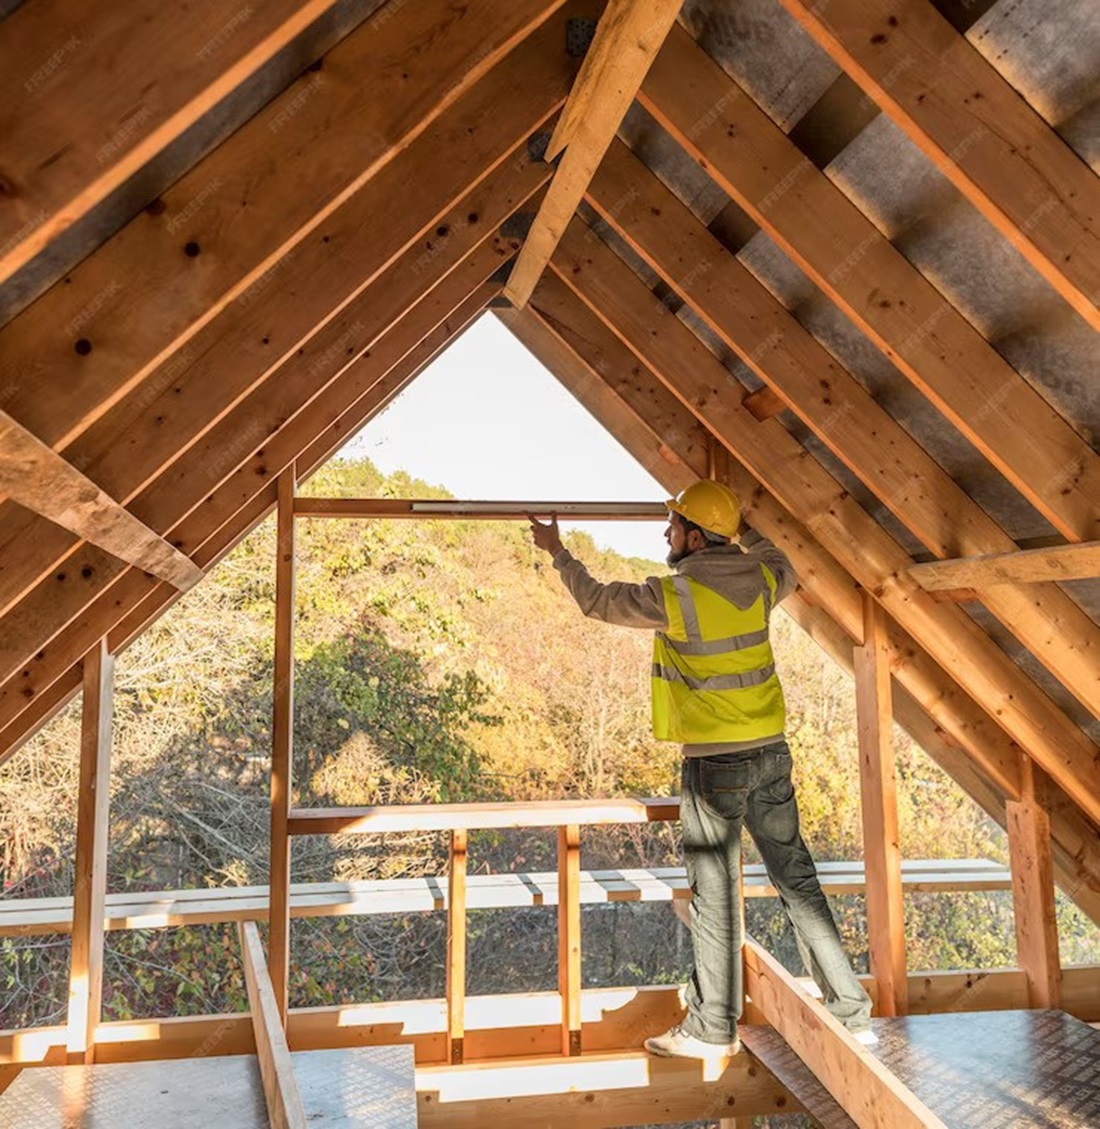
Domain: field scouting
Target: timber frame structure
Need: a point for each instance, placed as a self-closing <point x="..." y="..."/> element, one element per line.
<point x="843" y="255"/>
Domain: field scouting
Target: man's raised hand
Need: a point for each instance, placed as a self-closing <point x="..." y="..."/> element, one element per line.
<point x="546" y="536"/>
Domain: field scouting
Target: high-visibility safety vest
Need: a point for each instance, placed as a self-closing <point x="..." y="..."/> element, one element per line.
<point x="713" y="670"/>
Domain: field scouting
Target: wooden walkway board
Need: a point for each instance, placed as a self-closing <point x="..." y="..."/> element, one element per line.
<point x="766" y="1044"/>
<point x="366" y="1087"/>
<point x="987" y="1070"/>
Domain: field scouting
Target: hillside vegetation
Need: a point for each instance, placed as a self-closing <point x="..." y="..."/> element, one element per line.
<point x="434" y="662"/>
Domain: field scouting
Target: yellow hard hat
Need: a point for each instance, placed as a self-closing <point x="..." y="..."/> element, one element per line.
<point x="710" y="505"/>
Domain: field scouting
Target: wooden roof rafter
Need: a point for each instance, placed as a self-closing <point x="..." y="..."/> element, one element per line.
<point x="979" y="131"/>
<point x="539" y="78"/>
<point x="719" y="125"/>
<point x="836" y="407"/>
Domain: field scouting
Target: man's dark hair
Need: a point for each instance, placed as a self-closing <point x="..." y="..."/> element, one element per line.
<point x="709" y="536"/>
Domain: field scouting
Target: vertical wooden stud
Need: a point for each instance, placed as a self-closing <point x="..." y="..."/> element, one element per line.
<point x="456" y="947"/>
<point x="282" y="744"/>
<point x="1033" y="891"/>
<point x="90" y="881"/>
<point x="569" y="937"/>
<point x="878" y="790"/>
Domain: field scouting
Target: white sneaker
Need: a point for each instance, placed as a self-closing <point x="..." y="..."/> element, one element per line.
<point x="675" y="1043"/>
<point x="866" y="1036"/>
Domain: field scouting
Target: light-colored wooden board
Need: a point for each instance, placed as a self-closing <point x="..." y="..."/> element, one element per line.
<point x="284" y="1101"/>
<point x="170" y="908"/>
<point x="91" y="94"/>
<point x="93" y="801"/>
<point x="39" y="479"/>
<point x="270" y="186"/>
<point x="282" y="739"/>
<point x="628" y="36"/>
<point x="862" y="1086"/>
<point x="879" y="810"/>
<point x="1029" y="848"/>
<point x="1027" y="566"/>
<point x="456" y="945"/>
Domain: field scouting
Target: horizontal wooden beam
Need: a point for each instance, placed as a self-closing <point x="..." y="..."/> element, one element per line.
<point x="449" y="510"/>
<point x="284" y="1101"/>
<point x="458" y="817"/>
<point x="165" y="909"/>
<point x="612" y="1018"/>
<point x="1028" y="566"/>
<point x="41" y="480"/>
<point x="628" y="37"/>
<point x="594" y="1090"/>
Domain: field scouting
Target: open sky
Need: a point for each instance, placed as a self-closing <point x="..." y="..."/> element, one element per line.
<point x="487" y="421"/>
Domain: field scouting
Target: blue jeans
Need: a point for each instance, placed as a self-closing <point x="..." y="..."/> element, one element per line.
<point x="718" y="796"/>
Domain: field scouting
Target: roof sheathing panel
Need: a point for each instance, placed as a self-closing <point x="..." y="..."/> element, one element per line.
<point x="766" y="51"/>
<point x="1049" y="50"/>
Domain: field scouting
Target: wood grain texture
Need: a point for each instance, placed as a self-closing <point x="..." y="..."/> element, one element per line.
<point x="1026" y="566"/>
<point x="282" y="739"/>
<point x="1029" y="848"/>
<point x="865" y="1089"/>
<point x="93" y="801"/>
<point x="838" y="409"/>
<point x="999" y="153"/>
<point x="628" y="37"/>
<point x="879" y="810"/>
<point x="284" y="1102"/>
<point x="39" y="479"/>
<point x="132" y="80"/>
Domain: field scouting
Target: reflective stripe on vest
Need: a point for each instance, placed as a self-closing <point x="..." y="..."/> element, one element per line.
<point x="718" y="688"/>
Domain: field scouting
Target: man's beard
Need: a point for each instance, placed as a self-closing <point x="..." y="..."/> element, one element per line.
<point x="674" y="558"/>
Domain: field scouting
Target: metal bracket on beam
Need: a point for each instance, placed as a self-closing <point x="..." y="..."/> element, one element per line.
<point x="518" y="225"/>
<point x="579" y="34"/>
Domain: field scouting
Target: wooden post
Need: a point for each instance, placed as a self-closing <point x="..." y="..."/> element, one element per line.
<point x="878" y="792"/>
<point x="90" y="880"/>
<point x="1029" y="849"/>
<point x="456" y="947"/>
<point x="569" y="937"/>
<point x="282" y="744"/>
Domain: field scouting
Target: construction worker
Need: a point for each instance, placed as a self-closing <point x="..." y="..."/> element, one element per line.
<point x="716" y="692"/>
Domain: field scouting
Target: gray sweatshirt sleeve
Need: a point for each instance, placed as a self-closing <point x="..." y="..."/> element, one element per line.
<point x="627" y="605"/>
<point x="756" y="545"/>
